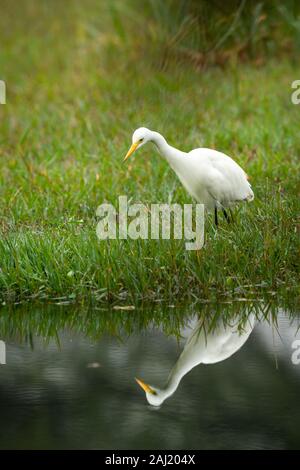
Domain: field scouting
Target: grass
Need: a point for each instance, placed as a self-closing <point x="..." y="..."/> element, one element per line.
<point x="48" y="321"/>
<point x="75" y="93"/>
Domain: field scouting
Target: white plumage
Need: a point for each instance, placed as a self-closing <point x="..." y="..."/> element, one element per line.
<point x="211" y="177"/>
<point x="202" y="347"/>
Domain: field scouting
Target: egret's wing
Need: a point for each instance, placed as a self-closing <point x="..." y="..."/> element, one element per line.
<point x="225" y="180"/>
<point x="235" y="185"/>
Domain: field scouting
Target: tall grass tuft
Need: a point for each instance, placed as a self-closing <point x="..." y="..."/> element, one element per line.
<point x="204" y="32"/>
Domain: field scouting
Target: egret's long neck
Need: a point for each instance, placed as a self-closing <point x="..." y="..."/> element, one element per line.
<point x="185" y="363"/>
<point x="171" y="154"/>
<point x="189" y="358"/>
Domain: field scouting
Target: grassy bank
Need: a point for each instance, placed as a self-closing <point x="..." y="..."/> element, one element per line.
<point x="73" y="100"/>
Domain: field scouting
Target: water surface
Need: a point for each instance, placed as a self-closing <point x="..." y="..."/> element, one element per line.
<point x="69" y="379"/>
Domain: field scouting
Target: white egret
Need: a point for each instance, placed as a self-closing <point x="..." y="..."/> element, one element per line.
<point x="211" y="177"/>
<point x="202" y="347"/>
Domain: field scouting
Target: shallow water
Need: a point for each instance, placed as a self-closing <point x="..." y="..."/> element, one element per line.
<point x="65" y="388"/>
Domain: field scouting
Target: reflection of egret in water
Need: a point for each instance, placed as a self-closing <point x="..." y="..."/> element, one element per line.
<point x="204" y="346"/>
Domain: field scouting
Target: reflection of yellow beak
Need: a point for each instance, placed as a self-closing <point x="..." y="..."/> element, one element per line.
<point x="131" y="150"/>
<point x="145" y="387"/>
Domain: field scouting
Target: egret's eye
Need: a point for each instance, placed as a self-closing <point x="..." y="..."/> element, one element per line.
<point x="141" y="140"/>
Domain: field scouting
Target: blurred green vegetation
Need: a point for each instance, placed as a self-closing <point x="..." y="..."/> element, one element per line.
<point x="213" y="32"/>
<point x="80" y="78"/>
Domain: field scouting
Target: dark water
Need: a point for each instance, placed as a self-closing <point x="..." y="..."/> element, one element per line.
<point x="65" y="389"/>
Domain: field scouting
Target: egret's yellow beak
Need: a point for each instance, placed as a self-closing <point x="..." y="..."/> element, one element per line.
<point x="145" y="387"/>
<point x="131" y="150"/>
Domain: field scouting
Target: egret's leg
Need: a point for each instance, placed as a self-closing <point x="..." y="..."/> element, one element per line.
<point x="226" y="215"/>
<point x="216" y="216"/>
<point x="231" y="214"/>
